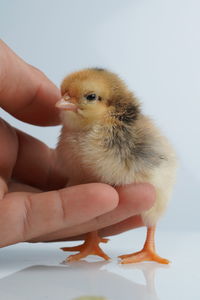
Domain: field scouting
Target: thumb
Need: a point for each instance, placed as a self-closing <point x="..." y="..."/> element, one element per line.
<point x="24" y="216"/>
<point x="25" y="92"/>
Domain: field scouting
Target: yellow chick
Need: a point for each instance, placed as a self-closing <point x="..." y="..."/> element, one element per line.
<point x="106" y="138"/>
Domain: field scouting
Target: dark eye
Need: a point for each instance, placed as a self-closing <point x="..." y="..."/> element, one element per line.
<point x="91" y="97"/>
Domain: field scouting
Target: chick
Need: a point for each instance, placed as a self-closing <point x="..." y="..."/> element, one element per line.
<point x="106" y="138"/>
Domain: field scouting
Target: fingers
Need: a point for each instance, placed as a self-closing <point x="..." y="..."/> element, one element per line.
<point x="128" y="224"/>
<point x="3" y="188"/>
<point x="24" y="216"/>
<point x="14" y="186"/>
<point x="38" y="168"/>
<point x="134" y="199"/>
<point x="8" y="155"/>
<point x="25" y="92"/>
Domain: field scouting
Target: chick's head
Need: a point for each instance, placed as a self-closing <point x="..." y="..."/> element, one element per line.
<point x="96" y="94"/>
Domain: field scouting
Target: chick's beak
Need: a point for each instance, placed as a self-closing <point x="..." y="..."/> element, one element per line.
<point x="67" y="103"/>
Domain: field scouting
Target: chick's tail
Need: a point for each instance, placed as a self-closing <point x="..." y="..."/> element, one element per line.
<point x="89" y="247"/>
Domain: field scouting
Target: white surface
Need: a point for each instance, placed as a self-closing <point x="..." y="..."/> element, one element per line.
<point x="30" y="272"/>
<point x="154" y="45"/>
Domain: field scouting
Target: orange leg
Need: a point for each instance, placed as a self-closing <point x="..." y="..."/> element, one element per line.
<point x="89" y="247"/>
<point x="147" y="253"/>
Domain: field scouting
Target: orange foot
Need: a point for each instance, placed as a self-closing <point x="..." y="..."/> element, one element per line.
<point x="143" y="255"/>
<point x="89" y="247"/>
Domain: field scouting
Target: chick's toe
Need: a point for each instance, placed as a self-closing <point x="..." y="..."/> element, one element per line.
<point x="89" y="247"/>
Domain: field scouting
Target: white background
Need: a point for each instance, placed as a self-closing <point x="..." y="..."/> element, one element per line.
<point x="153" y="45"/>
<point x="30" y="272"/>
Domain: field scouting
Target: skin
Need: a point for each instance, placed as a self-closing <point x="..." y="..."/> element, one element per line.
<point x="34" y="206"/>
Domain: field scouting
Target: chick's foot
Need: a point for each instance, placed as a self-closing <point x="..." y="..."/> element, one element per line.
<point x="143" y="255"/>
<point x="148" y="253"/>
<point x="89" y="247"/>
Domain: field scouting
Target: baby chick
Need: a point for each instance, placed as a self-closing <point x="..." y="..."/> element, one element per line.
<point x="106" y="138"/>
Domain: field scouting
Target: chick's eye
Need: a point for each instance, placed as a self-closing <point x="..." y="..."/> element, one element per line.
<point x="91" y="97"/>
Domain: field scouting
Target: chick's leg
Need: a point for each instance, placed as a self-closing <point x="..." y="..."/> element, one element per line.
<point x="89" y="247"/>
<point x="148" y="252"/>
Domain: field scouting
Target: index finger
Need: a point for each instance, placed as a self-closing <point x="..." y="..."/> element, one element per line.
<point x="24" y="216"/>
<point x="25" y="92"/>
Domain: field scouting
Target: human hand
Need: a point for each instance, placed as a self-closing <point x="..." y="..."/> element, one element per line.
<point x="34" y="206"/>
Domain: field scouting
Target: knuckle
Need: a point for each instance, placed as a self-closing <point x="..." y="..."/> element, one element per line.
<point x="26" y="221"/>
<point x="61" y="204"/>
<point x="48" y="216"/>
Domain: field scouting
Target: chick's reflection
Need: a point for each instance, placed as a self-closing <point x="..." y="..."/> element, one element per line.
<point x="79" y="279"/>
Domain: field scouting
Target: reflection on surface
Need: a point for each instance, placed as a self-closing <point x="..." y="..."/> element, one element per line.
<point x="79" y="279"/>
<point x="149" y="273"/>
